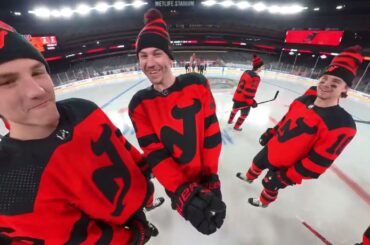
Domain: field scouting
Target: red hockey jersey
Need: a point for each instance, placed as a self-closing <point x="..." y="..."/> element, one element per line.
<point x="366" y="238"/>
<point x="77" y="186"/>
<point x="311" y="91"/>
<point x="309" y="139"/>
<point x="247" y="87"/>
<point x="178" y="130"/>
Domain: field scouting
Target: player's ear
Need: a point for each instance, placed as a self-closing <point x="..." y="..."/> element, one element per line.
<point x="344" y="94"/>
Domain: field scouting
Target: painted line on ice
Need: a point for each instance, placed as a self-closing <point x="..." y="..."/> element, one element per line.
<point x="315" y="232"/>
<point x="345" y="178"/>
<point x="122" y="93"/>
<point x="352" y="184"/>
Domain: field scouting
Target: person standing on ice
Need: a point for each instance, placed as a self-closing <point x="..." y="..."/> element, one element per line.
<point x="311" y="135"/>
<point x="177" y="128"/>
<point x="245" y="92"/>
<point x="67" y="174"/>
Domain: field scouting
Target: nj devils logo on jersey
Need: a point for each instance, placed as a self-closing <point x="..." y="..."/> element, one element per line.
<point x="28" y="240"/>
<point x="117" y="171"/>
<point x="188" y="140"/>
<point x="285" y="133"/>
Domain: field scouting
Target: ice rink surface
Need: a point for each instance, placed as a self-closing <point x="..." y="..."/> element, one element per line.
<point x="336" y="206"/>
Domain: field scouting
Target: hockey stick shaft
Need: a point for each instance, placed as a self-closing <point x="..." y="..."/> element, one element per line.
<point x="276" y="95"/>
<point x="362" y="121"/>
<point x="262" y="102"/>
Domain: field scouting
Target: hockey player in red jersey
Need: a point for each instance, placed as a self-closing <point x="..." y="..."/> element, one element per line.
<point x="311" y="135"/>
<point x="67" y="174"/>
<point x="176" y="126"/>
<point x="245" y="92"/>
<point x="365" y="238"/>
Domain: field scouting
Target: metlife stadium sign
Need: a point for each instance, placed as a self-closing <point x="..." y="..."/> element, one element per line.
<point x="174" y="4"/>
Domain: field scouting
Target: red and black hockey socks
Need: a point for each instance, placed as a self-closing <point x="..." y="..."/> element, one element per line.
<point x="232" y="115"/>
<point x="253" y="172"/>
<point x="267" y="196"/>
<point x="239" y="122"/>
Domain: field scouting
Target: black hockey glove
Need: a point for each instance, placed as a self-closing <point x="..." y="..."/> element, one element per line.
<point x="141" y="229"/>
<point x="200" y="207"/>
<point x="266" y="136"/>
<point x="254" y="105"/>
<point x="275" y="180"/>
<point x="212" y="182"/>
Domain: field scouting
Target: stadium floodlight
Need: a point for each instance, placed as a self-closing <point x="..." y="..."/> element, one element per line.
<point x="313" y="56"/>
<point x="55" y="13"/>
<point x="119" y="5"/>
<point x="138" y="3"/>
<point x="17" y="13"/>
<point x="294" y="9"/>
<point x="66" y="12"/>
<point x="243" y="5"/>
<point x="227" y="3"/>
<point x="274" y="9"/>
<point x="209" y="3"/>
<point x="323" y="56"/>
<point x="102" y="7"/>
<point x="83" y="9"/>
<point x="339" y="7"/>
<point x="316" y="9"/>
<point x="291" y="53"/>
<point x="259" y="7"/>
<point x="334" y="54"/>
<point x="42" y="12"/>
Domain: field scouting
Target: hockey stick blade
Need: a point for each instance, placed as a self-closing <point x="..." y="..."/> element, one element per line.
<point x="276" y="95"/>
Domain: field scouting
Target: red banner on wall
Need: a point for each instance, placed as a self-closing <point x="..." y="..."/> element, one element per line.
<point x="327" y="38"/>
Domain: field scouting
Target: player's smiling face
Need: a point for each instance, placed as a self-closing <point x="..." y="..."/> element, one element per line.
<point x="156" y="65"/>
<point x="331" y="87"/>
<point x="26" y="92"/>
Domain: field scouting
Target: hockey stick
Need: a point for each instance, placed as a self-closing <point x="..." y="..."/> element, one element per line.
<point x="362" y="121"/>
<point x="262" y="102"/>
<point x="276" y="95"/>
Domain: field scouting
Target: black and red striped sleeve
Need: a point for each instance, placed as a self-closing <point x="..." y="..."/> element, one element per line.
<point x="323" y="153"/>
<point x="164" y="168"/>
<point x="212" y="135"/>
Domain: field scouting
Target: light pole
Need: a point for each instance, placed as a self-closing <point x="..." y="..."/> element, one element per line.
<point x="359" y="81"/>
<point x="314" y="67"/>
<point x="295" y="60"/>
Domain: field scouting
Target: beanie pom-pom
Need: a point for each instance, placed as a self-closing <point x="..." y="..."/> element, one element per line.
<point x="152" y="14"/>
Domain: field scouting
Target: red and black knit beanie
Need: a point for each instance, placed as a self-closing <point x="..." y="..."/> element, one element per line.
<point x="345" y="65"/>
<point x="154" y="34"/>
<point x="257" y="62"/>
<point x="14" y="46"/>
